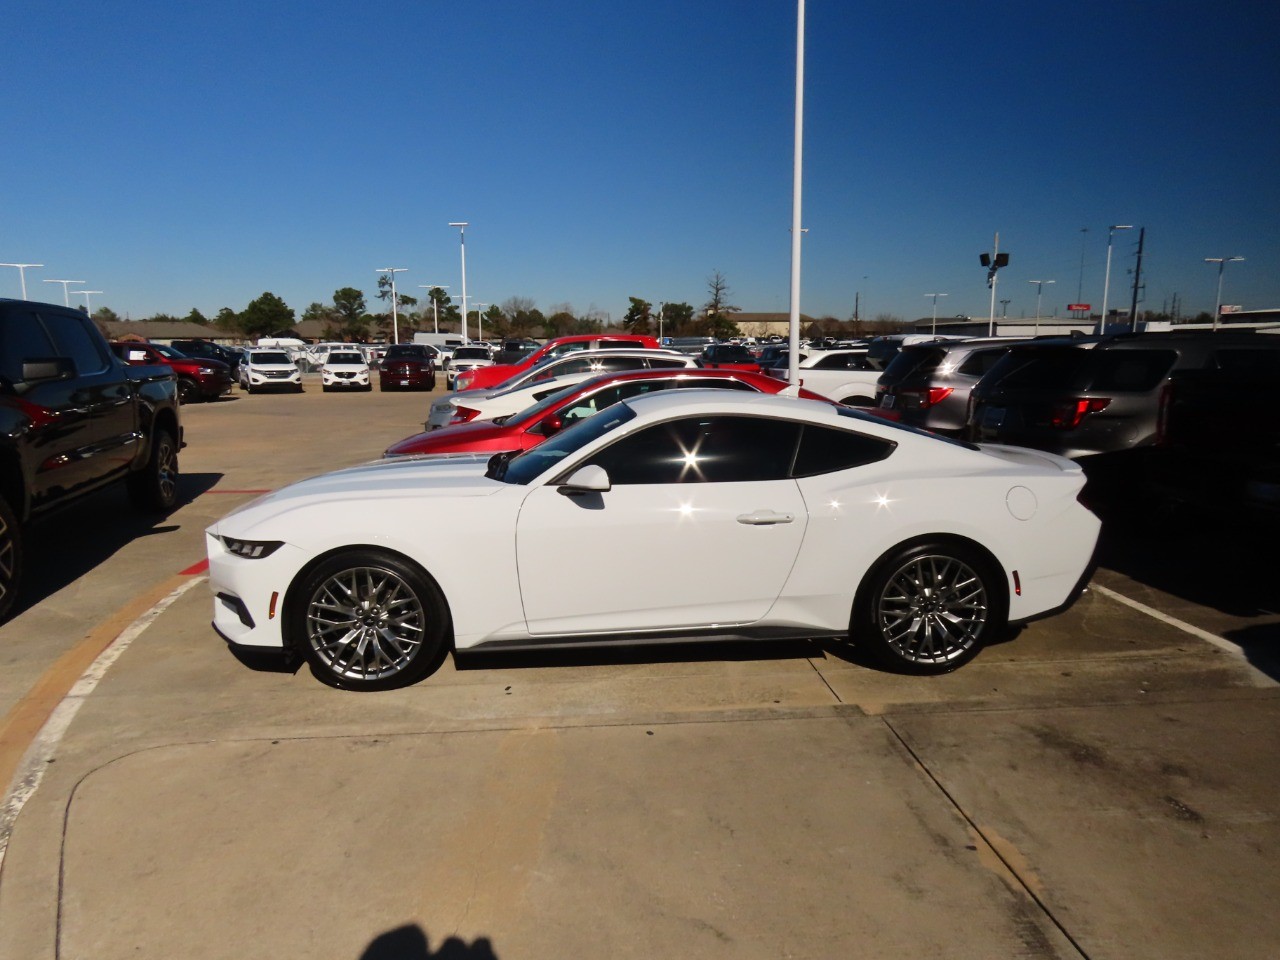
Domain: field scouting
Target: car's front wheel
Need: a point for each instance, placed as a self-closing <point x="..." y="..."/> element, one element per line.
<point x="155" y="486"/>
<point x="188" y="391"/>
<point x="369" y="620"/>
<point x="929" y="608"/>
<point x="10" y="558"/>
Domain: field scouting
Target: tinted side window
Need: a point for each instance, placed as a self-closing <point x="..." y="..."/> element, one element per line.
<point x="22" y="337"/>
<point x="980" y="361"/>
<point x="703" y="450"/>
<point x="1257" y="361"/>
<point x="76" y="341"/>
<point x="1136" y="370"/>
<point x="826" y="450"/>
<point x="1039" y="368"/>
<point x="665" y="363"/>
<point x="564" y="348"/>
<point x="718" y="383"/>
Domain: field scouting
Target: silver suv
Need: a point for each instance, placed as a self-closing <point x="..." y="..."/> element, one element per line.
<point x="928" y="384"/>
<point x="1098" y="396"/>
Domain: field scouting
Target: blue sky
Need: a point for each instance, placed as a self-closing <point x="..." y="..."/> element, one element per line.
<point x="179" y="156"/>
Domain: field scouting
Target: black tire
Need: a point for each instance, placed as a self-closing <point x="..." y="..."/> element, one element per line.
<point x="858" y="401"/>
<point x="929" y="608"/>
<point x="155" y="487"/>
<point x="11" y="559"/>
<point x="368" y="620"/>
<point x="327" y="389"/>
<point x="188" y="391"/>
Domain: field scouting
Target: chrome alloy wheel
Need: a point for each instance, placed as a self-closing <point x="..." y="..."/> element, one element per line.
<point x="932" y="609"/>
<point x="167" y="469"/>
<point x="365" y="623"/>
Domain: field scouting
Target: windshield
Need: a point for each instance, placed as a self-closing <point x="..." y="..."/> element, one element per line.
<point x="345" y="358"/>
<point x="471" y="353"/>
<point x="524" y="467"/>
<point x="169" y="352"/>
<point x="269" y="358"/>
<point x="405" y="353"/>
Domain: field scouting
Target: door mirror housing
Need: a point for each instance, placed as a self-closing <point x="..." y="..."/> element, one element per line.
<point x="589" y="479"/>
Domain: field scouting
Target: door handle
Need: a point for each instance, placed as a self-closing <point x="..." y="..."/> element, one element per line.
<point x="760" y="518"/>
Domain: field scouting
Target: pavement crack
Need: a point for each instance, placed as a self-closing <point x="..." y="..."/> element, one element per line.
<point x="1026" y="882"/>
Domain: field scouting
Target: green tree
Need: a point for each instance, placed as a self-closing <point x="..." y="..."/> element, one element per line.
<point x="105" y="315"/>
<point x="195" y="316"/>
<point x="164" y="318"/>
<point x="558" y="324"/>
<point x="350" y="314"/>
<point x="227" y="319"/>
<point x="266" y="315"/>
<point x="638" y="315"/>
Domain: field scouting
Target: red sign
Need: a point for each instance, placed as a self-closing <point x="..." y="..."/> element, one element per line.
<point x="1078" y="306"/>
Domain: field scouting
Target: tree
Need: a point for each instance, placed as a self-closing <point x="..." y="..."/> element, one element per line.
<point x="350" y="314"/>
<point x="106" y="315"/>
<point x="638" y="315"/>
<point x="164" y="318"/>
<point x="558" y="324"/>
<point x="384" y="320"/>
<point x="677" y="319"/>
<point x="266" y="315"/>
<point x="718" y="306"/>
<point x="227" y="319"/>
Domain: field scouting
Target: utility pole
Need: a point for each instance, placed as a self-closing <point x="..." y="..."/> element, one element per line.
<point x="1137" y="277"/>
<point x="993" y="261"/>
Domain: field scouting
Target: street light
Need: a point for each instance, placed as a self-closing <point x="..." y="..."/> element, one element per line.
<point x="1004" y="309"/>
<point x="87" y="308"/>
<point x="66" y="302"/>
<point x="462" y="242"/>
<point x="662" y="306"/>
<point x="395" y="316"/>
<point x="1106" y="283"/>
<point x="480" y="320"/>
<point x="1222" y="263"/>
<point x="435" y="304"/>
<point x="934" y="329"/>
<point x="22" y="273"/>
<point x="1039" y="289"/>
<point x="797" y="231"/>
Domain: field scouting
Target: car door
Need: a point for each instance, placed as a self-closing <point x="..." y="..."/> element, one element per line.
<point x="700" y="529"/>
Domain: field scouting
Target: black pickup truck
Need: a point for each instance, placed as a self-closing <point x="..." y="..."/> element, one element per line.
<point x="74" y="419"/>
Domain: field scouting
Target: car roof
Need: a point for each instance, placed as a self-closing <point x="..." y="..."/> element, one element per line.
<point x="711" y="402"/>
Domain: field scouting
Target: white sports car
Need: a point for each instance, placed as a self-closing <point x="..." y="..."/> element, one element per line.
<point x="682" y="514"/>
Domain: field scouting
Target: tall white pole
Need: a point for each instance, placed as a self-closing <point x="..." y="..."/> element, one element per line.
<point x="395" y="315"/>
<point x="480" y="321"/>
<point x="1106" y="283"/>
<point x="66" y="300"/>
<point x="435" y="305"/>
<point x="22" y="274"/>
<point x="1222" y="263"/>
<point x="462" y="241"/>
<point x="995" y="278"/>
<point x="934" y="329"/>
<point x="87" y="306"/>
<point x="797" y="177"/>
<point x="1039" y="289"/>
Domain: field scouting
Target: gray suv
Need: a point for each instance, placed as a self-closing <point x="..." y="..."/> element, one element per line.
<point x="1098" y="396"/>
<point x="928" y="384"/>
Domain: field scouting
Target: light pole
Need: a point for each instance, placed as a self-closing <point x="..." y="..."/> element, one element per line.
<point x="934" y="329"/>
<point x="1222" y="263"/>
<point x="1080" y="285"/>
<point x="1106" y="283"/>
<point x="66" y="302"/>
<point x="797" y="181"/>
<point x="87" y="308"/>
<point x="395" y="315"/>
<point x="993" y="261"/>
<point x="22" y="273"/>
<point x="479" y="320"/>
<point x="462" y="242"/>
<point x="1004" y="309"/>
<point x="662" y="306"/>
<point x="1039" y="289"/>
<point x="435" y="305"/>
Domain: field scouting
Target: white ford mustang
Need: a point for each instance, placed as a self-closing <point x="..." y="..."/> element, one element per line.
<point x="683" y="514"/>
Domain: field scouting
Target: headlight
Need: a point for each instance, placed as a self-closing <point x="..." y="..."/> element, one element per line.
<point x="207" y="371"/>
<point x="252" y="549"/>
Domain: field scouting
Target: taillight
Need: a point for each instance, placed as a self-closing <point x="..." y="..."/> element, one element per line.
<point x="1067" y="414"/>
<point x="464" y="415"/>
<point x="923" y="399"/>
<point x="463" y="381"/>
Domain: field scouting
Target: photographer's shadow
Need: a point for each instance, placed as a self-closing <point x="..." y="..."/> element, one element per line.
<point x="410" y="943"/>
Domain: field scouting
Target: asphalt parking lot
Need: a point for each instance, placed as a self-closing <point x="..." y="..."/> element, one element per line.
<point x="1101" y="786"/>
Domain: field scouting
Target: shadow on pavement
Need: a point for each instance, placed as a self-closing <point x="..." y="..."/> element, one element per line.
<point x="410" y="943"/>
<point x="97" y="527"/>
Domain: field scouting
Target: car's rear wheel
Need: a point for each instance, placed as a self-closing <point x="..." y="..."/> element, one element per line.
<point x="369" y="620"/>
<point x="10" y="559"/>
<point x="155" y="487"/>
<point x="929" y="608"/>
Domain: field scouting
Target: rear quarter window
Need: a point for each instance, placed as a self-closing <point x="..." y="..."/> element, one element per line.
<point x="1248" y="362"/>
<point x="1133" y="371"/>
<point x="826" y="450"/>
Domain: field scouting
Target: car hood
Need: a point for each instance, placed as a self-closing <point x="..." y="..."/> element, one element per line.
<point x="403" y="478"/>
<point x="447" y="439"/>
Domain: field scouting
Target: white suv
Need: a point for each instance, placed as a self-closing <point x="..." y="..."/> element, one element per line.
<point x="345" y="370"/>
<point x="269" y="370"/>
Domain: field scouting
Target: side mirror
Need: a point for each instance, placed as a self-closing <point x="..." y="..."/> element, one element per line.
<point x="48" y="368"/>
<point x="552" y="423"/>
<point x="589" y="479"/>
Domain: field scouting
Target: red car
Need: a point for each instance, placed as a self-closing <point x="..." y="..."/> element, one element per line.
<point x="407" y="366"/>
<point x="494" y="375"/>
<point x="531" y="426"/>
<point x="199" y="378"/>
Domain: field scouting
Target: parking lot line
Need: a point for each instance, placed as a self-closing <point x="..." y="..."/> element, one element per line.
<point x="31" y="731"/>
